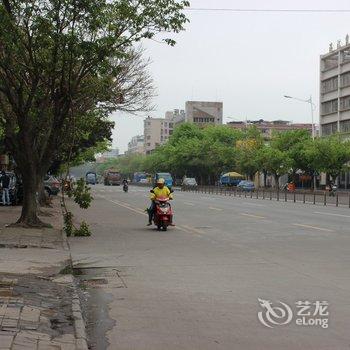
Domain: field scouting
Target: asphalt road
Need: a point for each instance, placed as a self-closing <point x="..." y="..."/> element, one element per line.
<point x="198" y="285"/>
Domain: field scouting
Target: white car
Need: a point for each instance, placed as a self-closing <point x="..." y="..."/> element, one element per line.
<point x="189" y="181"/>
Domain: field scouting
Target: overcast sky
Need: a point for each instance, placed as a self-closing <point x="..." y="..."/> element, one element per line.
<point x="246" y="60"/>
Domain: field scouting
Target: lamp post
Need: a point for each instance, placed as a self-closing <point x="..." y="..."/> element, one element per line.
<point x="312" y="107"/>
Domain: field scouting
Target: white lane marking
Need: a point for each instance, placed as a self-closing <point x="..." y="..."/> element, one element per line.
<point x="217" y="209"/>
<point x="188" y="203"/>
<point x="254" y="204"/>
<point x="314" y="227"/>
<point x="331" y="214"/>
<point x="253" y="216"/>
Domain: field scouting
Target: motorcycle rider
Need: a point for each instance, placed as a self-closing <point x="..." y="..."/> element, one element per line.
<point x="125" y="184"/>
<point x="159" y="191"/>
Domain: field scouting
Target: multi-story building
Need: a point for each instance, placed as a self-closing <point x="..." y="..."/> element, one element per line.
<point x="177" y="115"/>
<point x="156" y="132"/>
<point x="136" y="145"/>
<point x="112" y="153"/>
<point x="268" y="127"/>
<point x="204" y="113"/>
<point x="335" y="97"/>
<point x="335" y="90"/>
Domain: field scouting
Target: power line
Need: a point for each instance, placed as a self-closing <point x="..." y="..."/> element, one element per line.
<point x="267" y="10"/>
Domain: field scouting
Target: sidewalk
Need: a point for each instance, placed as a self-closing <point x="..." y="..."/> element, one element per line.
<point x="39" y="307"/>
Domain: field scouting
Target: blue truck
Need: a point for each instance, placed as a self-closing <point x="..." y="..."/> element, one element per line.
<point x="166" y="176"/>
<point x="231" y="179"/>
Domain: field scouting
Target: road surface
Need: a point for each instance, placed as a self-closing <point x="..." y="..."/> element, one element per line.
<point x="198" y="285"/>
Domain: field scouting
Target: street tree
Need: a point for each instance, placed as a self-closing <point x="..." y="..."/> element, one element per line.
<point x="294" y="143"/>
<point x="274" y="161"/>
<point x="247" y="151"/>
<point x="328" y="154"/>
<point x="61" y="59"/>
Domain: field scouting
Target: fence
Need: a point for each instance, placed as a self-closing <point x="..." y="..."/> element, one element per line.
<point x="316" y="197"/>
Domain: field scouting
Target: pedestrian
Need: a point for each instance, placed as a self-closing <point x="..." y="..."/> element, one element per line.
<point x="5" y="185"/>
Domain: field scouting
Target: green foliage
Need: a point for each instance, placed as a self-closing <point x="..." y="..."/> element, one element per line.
<point x="273" y="161"/>
<point x="71" y="230"/>
<point x="81" y="194"/>
<point x="328" y="154"/>
<point x="294" y="143"/>
<point x="65" y="66"/>
<point x="83" y="230"/>
<point x="68" y="223"/>
<point x="205" y="153"/>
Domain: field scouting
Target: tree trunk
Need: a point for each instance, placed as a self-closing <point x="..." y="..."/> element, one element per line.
<point x="29" y="216"/>
<point x="277" y="177"/>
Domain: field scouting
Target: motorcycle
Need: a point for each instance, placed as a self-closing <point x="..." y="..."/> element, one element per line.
<point x="163" y="216"/>
<point x="125" y="188"/>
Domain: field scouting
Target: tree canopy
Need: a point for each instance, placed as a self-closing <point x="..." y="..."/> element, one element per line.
<point x="62" y="60"/>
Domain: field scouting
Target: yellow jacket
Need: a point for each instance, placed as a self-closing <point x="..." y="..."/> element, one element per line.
<point x="161" y="192"/>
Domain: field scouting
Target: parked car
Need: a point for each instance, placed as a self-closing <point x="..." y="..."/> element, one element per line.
<point x="15" y="189"/>
<point x="246" y="185"/>
<point x="189" y="181"/>
<point x="51" y="185"/>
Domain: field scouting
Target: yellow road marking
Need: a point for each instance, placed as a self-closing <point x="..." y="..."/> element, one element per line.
<point x="253" y="216"/>
<point x="217" y="209"/>
<point x="193" y="230"/>
<point x="127" y="207"/>
<point x="314" y="227"/>
<point x="188" y="203"/>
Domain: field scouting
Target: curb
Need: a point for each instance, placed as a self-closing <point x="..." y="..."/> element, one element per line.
<point x="79" y="324"/>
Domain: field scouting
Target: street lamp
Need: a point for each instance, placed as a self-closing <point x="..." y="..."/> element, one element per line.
<point x="312" y="106"/>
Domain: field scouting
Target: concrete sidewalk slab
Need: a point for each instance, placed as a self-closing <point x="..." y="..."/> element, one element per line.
<point x="39" y="307"/>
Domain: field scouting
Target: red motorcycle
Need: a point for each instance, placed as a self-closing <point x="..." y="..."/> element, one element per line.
<point x="163" y="216"/>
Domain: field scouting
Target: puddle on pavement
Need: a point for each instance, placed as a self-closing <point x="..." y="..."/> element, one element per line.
<point x="95" y="303"/>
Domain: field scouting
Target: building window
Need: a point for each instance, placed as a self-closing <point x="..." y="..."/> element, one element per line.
<point x="345" y="79"/>
<point x="148" y="144"/>
<point x="148" y="137"/>
<point x="170" y="132"/>
<point x="330" y="85"/>
<point x="345" y="126"/>
<point x="345" y="103"/>
<point x="330" y="107"/>
<point x="171" y="125"/>
<point x="212" y="120"/>
<point x="329" y="129"/>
